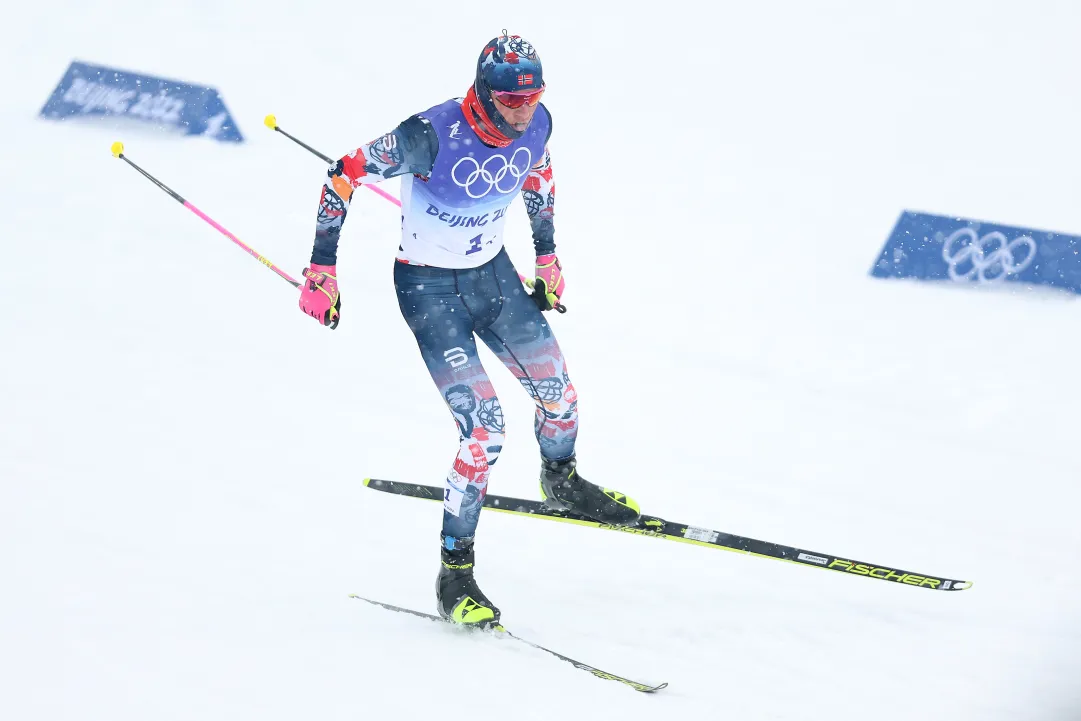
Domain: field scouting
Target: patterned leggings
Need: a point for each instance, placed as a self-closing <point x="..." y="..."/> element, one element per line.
<point x="445" y="309"/>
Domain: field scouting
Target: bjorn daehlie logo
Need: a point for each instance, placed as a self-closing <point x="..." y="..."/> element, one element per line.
<point x="479" y="179"/>
<point x="986" y="259"/>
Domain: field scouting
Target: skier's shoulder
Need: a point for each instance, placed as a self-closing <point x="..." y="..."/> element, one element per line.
<point x="419" y="142"/>
<point x="422" y="124"/>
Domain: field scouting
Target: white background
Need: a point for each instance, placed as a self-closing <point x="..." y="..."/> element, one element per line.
<point x="181" y="451"/>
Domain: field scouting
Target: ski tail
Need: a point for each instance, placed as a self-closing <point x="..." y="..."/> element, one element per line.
<point x="502" y="631"/>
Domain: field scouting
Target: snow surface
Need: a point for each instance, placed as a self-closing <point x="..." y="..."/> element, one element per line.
<point x="181" y="451"/>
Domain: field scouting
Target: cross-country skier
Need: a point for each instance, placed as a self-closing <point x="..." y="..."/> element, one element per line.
<point x="462" y="162"/>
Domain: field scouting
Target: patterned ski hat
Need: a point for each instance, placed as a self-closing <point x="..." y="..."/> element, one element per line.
<point x="508" y="63"/>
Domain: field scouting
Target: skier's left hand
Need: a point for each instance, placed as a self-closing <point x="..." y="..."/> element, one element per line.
<point x="549" y="284"/>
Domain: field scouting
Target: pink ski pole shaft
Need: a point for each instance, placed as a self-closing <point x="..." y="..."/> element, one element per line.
<point x="118" y="151"/>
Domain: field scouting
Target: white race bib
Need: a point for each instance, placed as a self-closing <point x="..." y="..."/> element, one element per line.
<point x="444" y="237"/>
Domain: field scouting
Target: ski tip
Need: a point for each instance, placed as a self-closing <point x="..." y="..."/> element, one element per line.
<point x="367" y="481"/>
<point x="117" y="149"/>
<point x="271" y="121"/>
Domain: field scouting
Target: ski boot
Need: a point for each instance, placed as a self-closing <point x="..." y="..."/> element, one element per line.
<point x="458" y="597"/>
<point x="564" y="489"/>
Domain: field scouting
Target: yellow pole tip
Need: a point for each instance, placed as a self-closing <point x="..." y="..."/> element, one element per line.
<point x="117" y="149"/>
<point x="271" y="122"/>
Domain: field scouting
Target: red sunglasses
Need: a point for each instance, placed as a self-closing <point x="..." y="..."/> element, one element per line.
<point x="517" y="100"/>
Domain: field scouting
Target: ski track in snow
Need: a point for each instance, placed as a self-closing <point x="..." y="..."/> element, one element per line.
<point x="181" y="452"/>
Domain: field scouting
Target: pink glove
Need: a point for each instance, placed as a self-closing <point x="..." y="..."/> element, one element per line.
<point x="319" y="295"/>
<point x="549" y="286"/>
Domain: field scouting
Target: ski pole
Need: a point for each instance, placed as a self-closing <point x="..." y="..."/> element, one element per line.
<point x="271" y="121"/>
<point x="118" y="151"/>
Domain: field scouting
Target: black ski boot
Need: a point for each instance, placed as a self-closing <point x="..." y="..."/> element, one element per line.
<point x="458" y="597"/>
<point x="563" y="489"/>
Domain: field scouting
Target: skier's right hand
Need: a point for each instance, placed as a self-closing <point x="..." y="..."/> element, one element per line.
<point x="319" y="296"/>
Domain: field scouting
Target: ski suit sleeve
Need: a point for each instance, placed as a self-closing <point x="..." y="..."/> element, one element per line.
<point x="408" y="149"/>
<point x="539" y="193"/>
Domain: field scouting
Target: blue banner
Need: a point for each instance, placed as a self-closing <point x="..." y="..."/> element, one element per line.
<point x="93" y="90"/>
<point x="936" y="247"/>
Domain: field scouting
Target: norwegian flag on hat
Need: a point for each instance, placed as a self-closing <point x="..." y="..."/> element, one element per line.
<point x="509" y="63"/>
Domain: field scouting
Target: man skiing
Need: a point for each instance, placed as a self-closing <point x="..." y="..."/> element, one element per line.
<point x="462" y="163"/>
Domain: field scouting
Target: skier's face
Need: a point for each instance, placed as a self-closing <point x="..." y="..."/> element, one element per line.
<point x="518" y="118"/>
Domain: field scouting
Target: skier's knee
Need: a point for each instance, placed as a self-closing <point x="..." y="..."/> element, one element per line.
<point x="492" y="446"/>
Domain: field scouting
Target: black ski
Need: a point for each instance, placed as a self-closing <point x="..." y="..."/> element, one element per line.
<point x="660" y="528"/>
<point x="501" y="631"/>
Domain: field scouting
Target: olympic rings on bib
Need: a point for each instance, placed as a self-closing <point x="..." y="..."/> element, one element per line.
<point x="492" y="173"/>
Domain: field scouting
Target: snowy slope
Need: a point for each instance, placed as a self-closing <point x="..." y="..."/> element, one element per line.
<point x="179" y="534"/>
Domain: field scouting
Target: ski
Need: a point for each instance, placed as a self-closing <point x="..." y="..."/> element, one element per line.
<point x="503" y="632"/>
<point x="683" y="533"/>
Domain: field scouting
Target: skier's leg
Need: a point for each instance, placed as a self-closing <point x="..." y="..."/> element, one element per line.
<point x="430" y="303"/>
<point x="523" y="340"/>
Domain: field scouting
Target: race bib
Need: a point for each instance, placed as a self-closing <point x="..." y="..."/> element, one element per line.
<point x="456" y="238"/>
